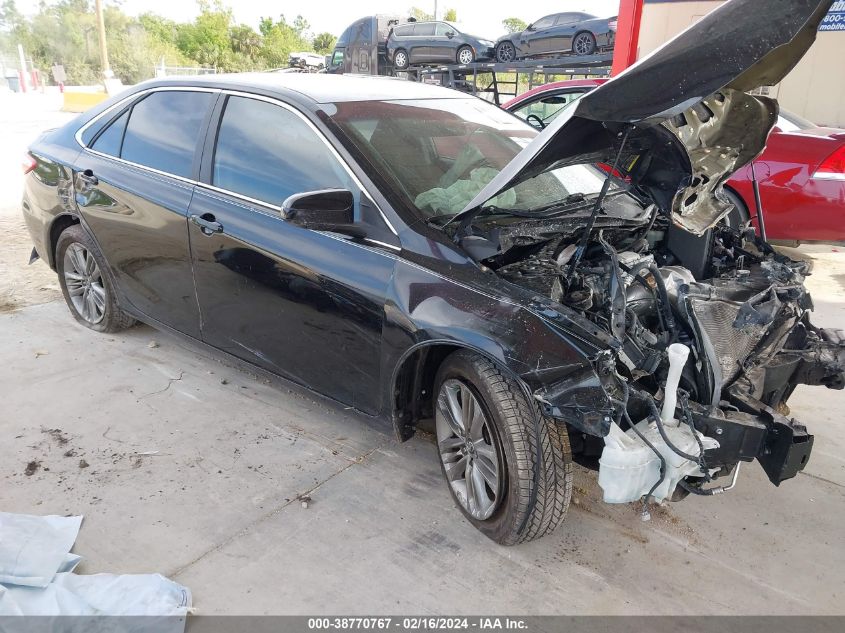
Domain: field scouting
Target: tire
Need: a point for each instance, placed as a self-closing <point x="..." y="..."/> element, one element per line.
<point x="465" y="55"/>
<point x="739" y="215"/>
<point x="584" y="43"/>
<point x="401" y="60"/>
<point x="87" y="283"/>
<point x="507" y="434"/>
<point x="505" y="52"/>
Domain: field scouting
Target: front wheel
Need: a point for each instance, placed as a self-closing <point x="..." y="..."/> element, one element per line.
<point x="465" y="55"/>
<point x="86" y="282"/>
<point x="400" y="59"/>
<point x="505" y="52"/>
<point x="487" y="435"/>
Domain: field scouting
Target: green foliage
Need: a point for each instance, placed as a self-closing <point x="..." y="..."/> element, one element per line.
<point x="420" y="15"/>
<point x="451" y="15"/>
<point x="514" y="25"/>
<point x="281" y="39"/>
<point x="65" y="32"/>
<point x="324" y="43"/>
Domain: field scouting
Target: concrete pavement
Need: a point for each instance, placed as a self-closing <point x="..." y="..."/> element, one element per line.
<point x="195" y="469"/>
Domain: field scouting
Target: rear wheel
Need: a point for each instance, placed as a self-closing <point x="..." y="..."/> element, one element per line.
<point x="584" y="43"/>
<point x="505" y="52"/>
<point x="86" y="282"/>
<point x="465" y="55"/>
<point x="400" y="59"/>
<point x="487" y="441"/>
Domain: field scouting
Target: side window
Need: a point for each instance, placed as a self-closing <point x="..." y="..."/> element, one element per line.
<point x="110" y="140"/>
<point x="425" y="28"/>
<point x="404" y="31"/>
<point x="443" y="28"/>
<point x="337" y="58"/>
<point x="163" y="130"/>
<point x="268" y="153"/>
<point x="544" y="23"/>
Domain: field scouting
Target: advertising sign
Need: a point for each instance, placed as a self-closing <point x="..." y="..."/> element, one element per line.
<point x="835" y="19"/>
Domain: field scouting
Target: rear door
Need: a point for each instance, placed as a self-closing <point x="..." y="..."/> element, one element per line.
<point x="133" y="185"/>
<point x="559" y="39"/>
<point x="305" y="304"/>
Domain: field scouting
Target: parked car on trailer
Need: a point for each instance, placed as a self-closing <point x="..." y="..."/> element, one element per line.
<point x="558" y="34"/>
<point x="413" y="252"/>
<point x="435" y="42"/>
<point x="307" y="60"/>
<point x="801" y="171"/>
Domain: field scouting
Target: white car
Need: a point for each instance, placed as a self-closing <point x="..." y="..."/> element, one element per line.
<point x="307" y="60"/>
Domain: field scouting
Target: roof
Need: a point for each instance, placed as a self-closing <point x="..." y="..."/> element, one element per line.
<point x="320" y="87"/>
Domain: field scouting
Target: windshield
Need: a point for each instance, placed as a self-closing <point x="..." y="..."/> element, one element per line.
<point x="439" y="153"/>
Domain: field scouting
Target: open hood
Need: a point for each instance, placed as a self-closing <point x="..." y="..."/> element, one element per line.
<point x="682" y="113"/>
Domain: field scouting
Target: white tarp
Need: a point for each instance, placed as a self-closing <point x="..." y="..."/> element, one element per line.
<point x="36" y="576"/>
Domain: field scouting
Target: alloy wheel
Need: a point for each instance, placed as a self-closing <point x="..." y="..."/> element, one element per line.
<point x="506" y="52"/>
<point x="465" y="56"/>
<point x="583" y="44"/>
<point x="84" y="283"/>
<point x="466" y="445"/>
<point x="401" y="60"/>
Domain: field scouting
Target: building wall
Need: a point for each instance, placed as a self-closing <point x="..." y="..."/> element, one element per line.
<point x="815" y="89"/>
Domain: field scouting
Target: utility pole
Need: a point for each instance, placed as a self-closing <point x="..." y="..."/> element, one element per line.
<point x="101" y="33"/>
<point x="23" y="78"/>
<point x="435" y="9"/>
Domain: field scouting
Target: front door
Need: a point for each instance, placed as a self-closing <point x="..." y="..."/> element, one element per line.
<point x="133" y="188"/>
<point x="304" y="304"/>
<point x="537" y="40"/>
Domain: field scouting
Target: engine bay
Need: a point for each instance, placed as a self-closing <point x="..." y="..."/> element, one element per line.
<point x="738" y="308"/>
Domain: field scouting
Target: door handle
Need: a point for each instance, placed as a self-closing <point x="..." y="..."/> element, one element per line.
<point x="87" y="176"/>
<point x="207" y="223"/>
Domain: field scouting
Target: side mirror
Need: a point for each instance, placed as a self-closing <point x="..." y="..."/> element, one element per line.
<point x="324" y="210"/>
<point x="450" y="34"/>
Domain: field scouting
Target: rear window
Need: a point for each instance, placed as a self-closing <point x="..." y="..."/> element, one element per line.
<point x="111" y="139"/>
<point x="163" y="131"/>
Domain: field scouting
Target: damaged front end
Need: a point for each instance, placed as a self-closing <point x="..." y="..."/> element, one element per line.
<point x="745" y="338"/>
<point x="709" y="324"/>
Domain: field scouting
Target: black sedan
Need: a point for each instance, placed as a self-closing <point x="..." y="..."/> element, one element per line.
<point x="558" y="34"/>
<point x="435" y="42"/>
<point x="414" y="253"/>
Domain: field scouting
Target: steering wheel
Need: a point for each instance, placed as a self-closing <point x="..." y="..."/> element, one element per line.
<point x="540" y="123"/>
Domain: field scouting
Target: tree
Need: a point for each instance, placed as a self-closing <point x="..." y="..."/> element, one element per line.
<point x="245" y="40"/>
<point x="324" y="42"/>
<point x="451" y="15"/>
<point x="281" y="39"/>
<point x="514" y="25"/>
<point x="420" y="15"/>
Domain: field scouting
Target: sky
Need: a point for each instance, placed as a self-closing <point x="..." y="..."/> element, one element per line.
<point x="480" y="17"/>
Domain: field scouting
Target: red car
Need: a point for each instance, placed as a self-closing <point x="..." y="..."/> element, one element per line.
<point x="801" y="172"/>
